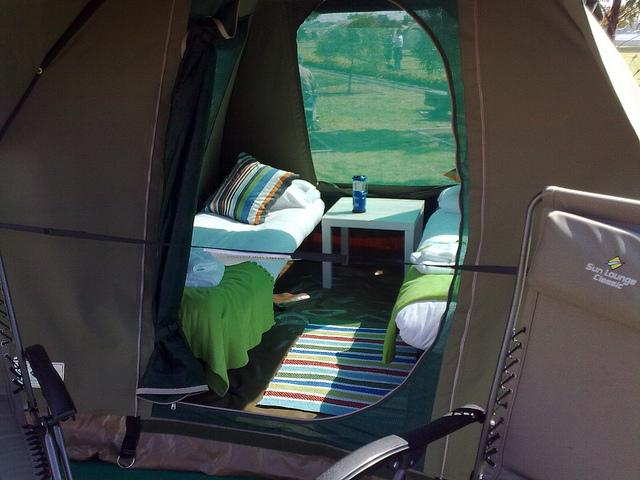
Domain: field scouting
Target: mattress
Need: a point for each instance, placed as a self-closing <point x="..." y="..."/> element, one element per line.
<point x="418" y="321"/>
<point x="282" y="232"/>
<point x="221" y="325"/>
<point x="422" y="299"/>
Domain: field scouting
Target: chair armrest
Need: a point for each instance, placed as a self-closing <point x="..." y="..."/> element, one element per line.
<point x="61" y="406"/>
<point x="420" y="437"/>
<point x="412" y="443"/>
<point x="365" y="457"/>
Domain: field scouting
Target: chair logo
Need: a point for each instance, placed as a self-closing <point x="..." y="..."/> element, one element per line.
<point x="614" y="263"/>
<point x="608" y="276"/>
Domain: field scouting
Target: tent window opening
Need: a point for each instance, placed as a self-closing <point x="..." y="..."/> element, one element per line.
<point x="376" y="99"/>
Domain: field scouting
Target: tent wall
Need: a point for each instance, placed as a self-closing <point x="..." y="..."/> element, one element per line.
<point x="229" y="54"/>
<point x="85" y="153"/>
<point x="540" y="111"/>
<point x="266" y="118"/>
<point x="27" y="31"/>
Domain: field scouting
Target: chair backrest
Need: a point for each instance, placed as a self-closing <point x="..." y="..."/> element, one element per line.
<point x="567" y="400"/>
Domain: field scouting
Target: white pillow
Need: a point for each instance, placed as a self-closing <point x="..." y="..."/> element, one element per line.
<point x="449" y="199"/>
<point x="298" y="195"/>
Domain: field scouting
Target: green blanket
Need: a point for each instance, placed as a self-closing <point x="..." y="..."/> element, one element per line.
<point x="223" y="323"/>
<point x="415" y="286"/>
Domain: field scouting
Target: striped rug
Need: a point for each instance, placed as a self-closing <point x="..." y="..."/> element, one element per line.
<point x="335" y="370"/>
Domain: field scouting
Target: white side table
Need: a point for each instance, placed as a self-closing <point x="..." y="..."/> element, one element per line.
<point x="382" y="214"/>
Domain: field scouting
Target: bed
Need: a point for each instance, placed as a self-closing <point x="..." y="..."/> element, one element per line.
<point x="422" y="299"/>
<point x="285" y="227"/>
<point x="228" y="298"/>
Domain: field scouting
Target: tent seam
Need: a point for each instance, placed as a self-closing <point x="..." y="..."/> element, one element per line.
<point x="147" y="200"/>
<point x="465" y="332"/>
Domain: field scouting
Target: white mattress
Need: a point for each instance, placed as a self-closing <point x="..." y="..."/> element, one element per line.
<point x="441" y="226"/>
<point x="419" y="321"/>
<point x="282" y="232"/>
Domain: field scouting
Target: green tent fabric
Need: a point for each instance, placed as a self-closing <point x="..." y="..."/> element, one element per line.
<point x="173" y="370"/>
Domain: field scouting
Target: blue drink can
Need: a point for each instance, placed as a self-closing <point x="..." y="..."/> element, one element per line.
<point x="359" y="193"/>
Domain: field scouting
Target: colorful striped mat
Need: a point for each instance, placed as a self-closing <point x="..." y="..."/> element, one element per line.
<point x="335" y="370"/>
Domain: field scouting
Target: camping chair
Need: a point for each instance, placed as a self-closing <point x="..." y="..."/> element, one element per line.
<point x="565" y="401"/>
<point x="32" y="445"/>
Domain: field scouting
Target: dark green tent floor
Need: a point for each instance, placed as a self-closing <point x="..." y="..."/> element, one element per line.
<point x="362" y="294"/>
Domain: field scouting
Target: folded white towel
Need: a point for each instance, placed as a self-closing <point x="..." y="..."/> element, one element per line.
<point x="204" y="269"/>
<point x="435" y="254"/>
<point x="298" y="195"/>
<point x="431" y="270"/>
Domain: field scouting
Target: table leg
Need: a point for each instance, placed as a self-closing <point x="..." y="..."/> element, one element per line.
<point x="344" y="242"/>
<point x="409" y="245"/>
<point x="327" y="267"/>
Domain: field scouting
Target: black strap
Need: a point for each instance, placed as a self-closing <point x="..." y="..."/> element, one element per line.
<point x="79" y="234"/>
<point x="61" y="232"/>
<point x="498" y="269"/>
<point x="127" y="456"/>
<point x="309" y="256"/>
<point x="79" y="21"/>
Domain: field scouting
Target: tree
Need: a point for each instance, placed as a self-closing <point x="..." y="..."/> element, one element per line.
<point x="615" y="13"/>
<point x="427" y="53"/>
<point x="361" y="39"/>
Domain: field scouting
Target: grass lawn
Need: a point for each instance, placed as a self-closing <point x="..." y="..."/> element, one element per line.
<point x="373" y="127"/>
<point x="631" y="56"/>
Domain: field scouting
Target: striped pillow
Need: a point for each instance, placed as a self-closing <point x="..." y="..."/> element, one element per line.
<point x="249" y="191"/>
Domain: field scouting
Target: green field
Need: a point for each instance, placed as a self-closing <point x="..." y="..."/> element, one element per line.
<point x="374" y="127"/>
<point x="631" y="56"/>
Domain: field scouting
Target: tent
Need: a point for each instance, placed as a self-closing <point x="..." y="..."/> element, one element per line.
<point x="127" y="126"/>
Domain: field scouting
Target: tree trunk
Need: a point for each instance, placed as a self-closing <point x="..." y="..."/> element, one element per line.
<point x="612" y="18"/>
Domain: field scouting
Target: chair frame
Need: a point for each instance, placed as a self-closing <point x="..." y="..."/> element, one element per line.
<point x="401" y="451"/>
<point x="43" y="431"/>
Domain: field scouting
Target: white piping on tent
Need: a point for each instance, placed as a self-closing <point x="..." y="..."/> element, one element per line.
<point x="170" y="391"/>
<point x="185" y="392"/>
<point x="623" y="84"/>
<point x="481" y="229"/>
<point x="147" y="201"/>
